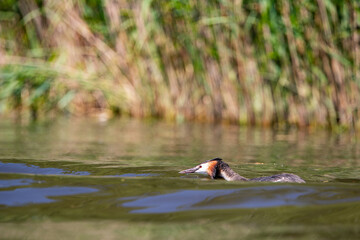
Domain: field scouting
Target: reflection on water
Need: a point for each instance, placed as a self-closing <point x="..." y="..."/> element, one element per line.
<point x="15" y="182"/>
<point x="254" y="197"/>
<point x="32" y="169"/>
<point x="22" y="196"/>
<point x="137" y="175"/>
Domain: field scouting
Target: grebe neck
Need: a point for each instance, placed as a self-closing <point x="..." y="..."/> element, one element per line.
<point x="228" y="174"/>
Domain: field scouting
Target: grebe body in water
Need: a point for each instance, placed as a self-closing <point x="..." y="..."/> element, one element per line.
<point x="216" y="168"/>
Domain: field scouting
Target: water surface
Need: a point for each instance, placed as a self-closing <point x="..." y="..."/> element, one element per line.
<point x="127" y="170"/>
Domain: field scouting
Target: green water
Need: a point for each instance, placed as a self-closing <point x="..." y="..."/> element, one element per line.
<point x="106" y="180"/>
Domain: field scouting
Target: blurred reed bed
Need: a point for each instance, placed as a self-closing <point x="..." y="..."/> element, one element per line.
<point x="261" y="62"/>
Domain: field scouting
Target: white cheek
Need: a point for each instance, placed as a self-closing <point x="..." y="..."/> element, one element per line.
<point x="201" y="170"/>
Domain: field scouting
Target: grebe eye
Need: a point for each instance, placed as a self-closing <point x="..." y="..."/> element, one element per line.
<point x="200" y="167"/>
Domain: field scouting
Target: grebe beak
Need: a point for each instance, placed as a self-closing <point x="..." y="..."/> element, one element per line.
<point x="190" y="170"/>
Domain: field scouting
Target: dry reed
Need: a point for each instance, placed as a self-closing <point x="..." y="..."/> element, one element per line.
<point x="262" y="62"/>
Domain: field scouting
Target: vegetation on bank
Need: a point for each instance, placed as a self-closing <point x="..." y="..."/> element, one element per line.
<point x="260" y="62"/>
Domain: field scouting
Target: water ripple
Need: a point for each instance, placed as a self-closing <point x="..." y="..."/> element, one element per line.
<point x="15" y="182"/>
<point x="23" y="196"/>
<point x="33" y="169"/>
<point x="252" y="197"/>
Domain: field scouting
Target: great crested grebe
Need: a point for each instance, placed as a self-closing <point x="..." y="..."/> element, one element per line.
<point x="216" y="168"/>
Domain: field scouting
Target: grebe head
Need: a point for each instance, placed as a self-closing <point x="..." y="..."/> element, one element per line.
<point x="209" y="167"/>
